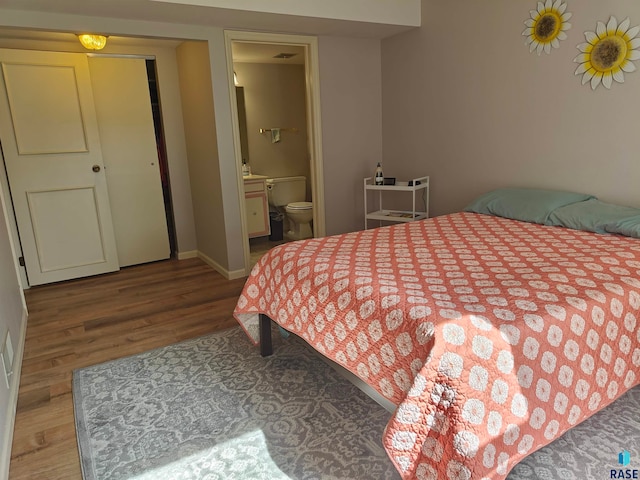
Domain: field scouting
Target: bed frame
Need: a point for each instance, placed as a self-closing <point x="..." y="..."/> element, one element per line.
<point x="266" y="345"/>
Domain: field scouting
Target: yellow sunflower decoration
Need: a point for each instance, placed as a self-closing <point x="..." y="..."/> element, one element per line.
<point x="608" y="53"/>
<point x="547" y="26"/>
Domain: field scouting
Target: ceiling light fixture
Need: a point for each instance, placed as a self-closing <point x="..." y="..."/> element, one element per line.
<point x="92" y="41"/>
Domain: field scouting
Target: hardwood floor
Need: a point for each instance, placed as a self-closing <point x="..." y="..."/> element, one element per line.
<point x="88" y="321"/>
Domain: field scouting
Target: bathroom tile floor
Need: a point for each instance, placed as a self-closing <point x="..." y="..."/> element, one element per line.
<point x="260" y="245"/>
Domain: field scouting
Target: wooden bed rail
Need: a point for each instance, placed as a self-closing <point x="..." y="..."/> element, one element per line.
<point x="266" y="346"/>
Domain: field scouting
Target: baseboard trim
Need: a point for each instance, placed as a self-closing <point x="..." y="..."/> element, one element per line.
<point x="229" y="275"/>
<point x="186" y="255"/>
<point x="7" y="441"/>
<point x="235" y="274"/>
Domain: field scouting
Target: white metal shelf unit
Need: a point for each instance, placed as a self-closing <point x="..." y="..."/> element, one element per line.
<point x="420" y="184"/>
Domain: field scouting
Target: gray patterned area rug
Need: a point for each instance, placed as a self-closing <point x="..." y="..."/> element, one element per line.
<point x="211" y="408"/>
<point x="590" y="450"/>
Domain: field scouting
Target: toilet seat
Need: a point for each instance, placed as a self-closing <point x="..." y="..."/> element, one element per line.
<point x="300" y="206"/>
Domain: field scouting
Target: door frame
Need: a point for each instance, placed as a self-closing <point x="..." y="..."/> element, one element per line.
<point x="314" y="128"/>
<point x="12" y="222"/>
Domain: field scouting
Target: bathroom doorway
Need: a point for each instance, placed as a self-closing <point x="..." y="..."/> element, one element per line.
<point x="277" y="135"/>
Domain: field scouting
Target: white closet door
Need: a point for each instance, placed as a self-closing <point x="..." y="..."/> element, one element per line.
<point x="54" y="164"/>
<point x="125" y="120"/>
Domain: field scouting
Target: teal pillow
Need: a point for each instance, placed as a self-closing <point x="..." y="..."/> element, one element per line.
<point x="627" y="226"/>
<point x="525" y="204"/>
<point x="591" y="215"/>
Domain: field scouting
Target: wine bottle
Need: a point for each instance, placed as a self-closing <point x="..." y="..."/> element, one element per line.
<point x="379" y="176"/>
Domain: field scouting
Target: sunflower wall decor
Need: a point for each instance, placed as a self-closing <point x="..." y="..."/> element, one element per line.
<point x="609" y="53"/>
<point x="547" y="26"/>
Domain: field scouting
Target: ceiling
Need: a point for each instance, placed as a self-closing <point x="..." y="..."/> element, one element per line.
<point x="244" y="52"/>
<point x="22" y="34"/>
<point x="184" y="14"/>
<point x="204" y="15"/>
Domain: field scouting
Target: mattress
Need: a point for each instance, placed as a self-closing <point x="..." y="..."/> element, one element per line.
<point x="492" y="336"/>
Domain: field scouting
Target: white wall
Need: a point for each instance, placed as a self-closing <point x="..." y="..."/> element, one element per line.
<point x="465" y="102"/>
<point x="13" y="320"/>
<point x="351" y="93"/>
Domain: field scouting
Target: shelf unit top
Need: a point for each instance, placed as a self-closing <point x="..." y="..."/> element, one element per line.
<point x="424" y="183"/>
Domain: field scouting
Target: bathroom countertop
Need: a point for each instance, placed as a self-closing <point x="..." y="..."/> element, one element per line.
<point x="254" y="177"/>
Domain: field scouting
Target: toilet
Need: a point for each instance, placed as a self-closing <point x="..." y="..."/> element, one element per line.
<point x="287" y="194"/>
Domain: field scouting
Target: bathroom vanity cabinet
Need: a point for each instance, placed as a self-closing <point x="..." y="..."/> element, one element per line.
<point x="256" y="205"/>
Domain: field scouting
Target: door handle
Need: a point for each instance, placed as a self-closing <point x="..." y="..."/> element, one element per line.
<point x="96" y="168"/>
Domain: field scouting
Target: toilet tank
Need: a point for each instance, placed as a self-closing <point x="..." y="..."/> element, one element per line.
<point x="284" y="190"/>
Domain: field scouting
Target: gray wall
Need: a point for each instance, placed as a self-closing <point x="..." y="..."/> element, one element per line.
<point x="466" y="103"/>
<point x="351" y="92"/>
<point x="202" y="150"/>
<point x="12" y="320"/>
<point x="275" y="98"/>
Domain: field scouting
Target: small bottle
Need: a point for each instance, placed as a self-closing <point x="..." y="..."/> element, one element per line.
<point x="246" y="170"/>
<point x="379" y="177"/>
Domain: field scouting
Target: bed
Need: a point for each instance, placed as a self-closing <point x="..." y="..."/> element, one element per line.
<point x="493" y="330"/>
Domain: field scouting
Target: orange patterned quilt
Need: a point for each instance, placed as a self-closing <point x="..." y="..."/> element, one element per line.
<point x="492" y="336"/>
